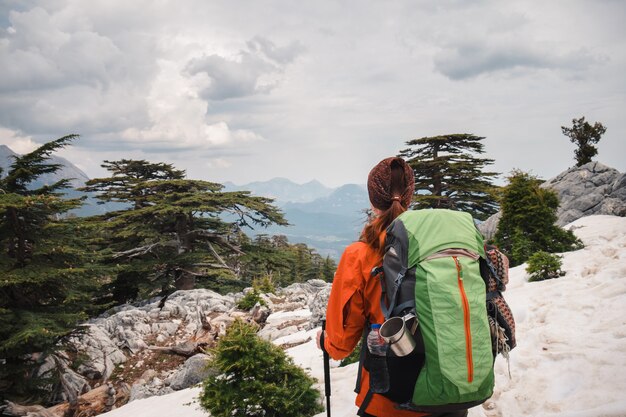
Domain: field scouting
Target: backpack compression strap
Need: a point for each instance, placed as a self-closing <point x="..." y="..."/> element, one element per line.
<point x="388" y="311"/>
<point x="366" y="330"/>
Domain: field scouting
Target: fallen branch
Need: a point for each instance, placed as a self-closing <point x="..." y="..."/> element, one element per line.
<point x="186" y="349"/>
<point x="144" y="250"/>
<point x="217" y="256"/>
<point x="94" y="402"/>
<point x="215" y="238"/>
<point x="14" y="409"/>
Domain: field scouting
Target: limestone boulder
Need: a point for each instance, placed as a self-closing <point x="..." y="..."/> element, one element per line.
<point x="590" y="189"/>
<point x="193" y="371"/>
<point x="318" y="305"/>
<point x="99" y="352"/>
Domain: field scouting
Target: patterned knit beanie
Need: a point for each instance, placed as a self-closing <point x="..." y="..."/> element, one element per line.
<point x="379" y="184"/>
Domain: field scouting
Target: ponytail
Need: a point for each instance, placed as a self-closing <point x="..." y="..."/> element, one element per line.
<point x="372" y="231"/>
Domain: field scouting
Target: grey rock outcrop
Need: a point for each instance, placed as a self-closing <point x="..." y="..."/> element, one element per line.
<point x="488" y="227"/>
<point x="193" y="371"/>
<point x="590" y="189"/>
<point x="301" y="309"/>
<point x="303" y="293"/>
<point x="318" y="306"/>
<point x="114" y="338"/>
<point x="103" y="353"/>
<point x="154" y="388"/>
<point x="71" y="385"/>
<point x="127" y="338"/>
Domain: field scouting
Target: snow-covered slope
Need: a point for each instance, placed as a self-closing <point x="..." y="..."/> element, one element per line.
<point x="571" y="355"/>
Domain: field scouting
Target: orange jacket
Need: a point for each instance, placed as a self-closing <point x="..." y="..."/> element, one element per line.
<point x="354" y="298"/>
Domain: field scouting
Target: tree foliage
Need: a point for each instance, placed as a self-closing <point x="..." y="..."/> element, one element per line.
<point x="256" y="378"/>
<point x="283" y="263"/>
<point x="528" y="220"/>
<point x="174" y="231"/>
<point x="543" y="265"/>
<point x="48" y="270"/>
<point x="450" y="174"/>
<point x="250" y="299"/>
<point x="584" y="136"/>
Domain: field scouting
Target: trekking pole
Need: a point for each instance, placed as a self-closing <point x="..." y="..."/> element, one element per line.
<point x="326" y="370"/>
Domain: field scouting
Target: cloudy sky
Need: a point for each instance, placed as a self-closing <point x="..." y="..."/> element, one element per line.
<point x="250" y="90"/>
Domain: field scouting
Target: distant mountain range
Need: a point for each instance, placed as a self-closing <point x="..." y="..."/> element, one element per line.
<point x="325" y="218"/>
<point x="283" y="190"/>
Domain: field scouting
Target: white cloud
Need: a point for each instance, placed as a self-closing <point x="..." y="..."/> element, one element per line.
<point x="18" y="143"/>
<point x="281" y="55"/>
<point x="178" y="117"/>
<point x="41" y="53"/>
<point x="61" y="75"/>
<point x="230" y="78"/>
<point x="219" y="163"/>
<point x="467" y="60"/>
<point x="251" y="72"/>
<point x="163" y="136"/>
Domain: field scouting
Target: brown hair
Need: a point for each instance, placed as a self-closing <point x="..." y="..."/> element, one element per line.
<point x="390" y="186"/>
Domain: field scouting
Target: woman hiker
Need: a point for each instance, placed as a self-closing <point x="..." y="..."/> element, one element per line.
<point x="355" y="295"/>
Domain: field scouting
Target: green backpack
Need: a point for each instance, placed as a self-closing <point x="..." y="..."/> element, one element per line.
<point x="432" y="268"/>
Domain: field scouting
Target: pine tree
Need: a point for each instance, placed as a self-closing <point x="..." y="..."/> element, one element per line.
<point x="584" y="136"/>
<point x="285" y="263"/>
<point x="449" y="174"/>
<point x="174" y="231"/>
<point x="48" y="273"/>
<point x="266" y="256"/>
<point x="528" y="220"/>
<point x="256" y="378"/>
<point x="304" y="266"/>
<point x="328" y="269"/>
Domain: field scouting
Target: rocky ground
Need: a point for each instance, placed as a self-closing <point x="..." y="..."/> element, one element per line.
<point x="139" y="351"/>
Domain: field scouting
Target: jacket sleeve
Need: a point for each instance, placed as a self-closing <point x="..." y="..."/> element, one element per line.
<point x="345" y="315"/>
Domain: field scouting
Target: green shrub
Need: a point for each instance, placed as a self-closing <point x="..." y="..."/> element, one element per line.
<point x="250" y="299"/>
<point x="256" y="378"/>
<point x="265" y="285"/>
<point x="543" y="265"/>
<point x="521" y="247"/>
<point x="528" y="220"/>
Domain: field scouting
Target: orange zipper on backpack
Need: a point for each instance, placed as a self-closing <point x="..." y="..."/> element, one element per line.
<point x="466" y="320"/>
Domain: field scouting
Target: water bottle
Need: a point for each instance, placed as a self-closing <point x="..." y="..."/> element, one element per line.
<point x="377" y="361"/>
<point x="375" y="343"/>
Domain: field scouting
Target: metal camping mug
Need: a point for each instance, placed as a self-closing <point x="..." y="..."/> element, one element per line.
<point x="398" y="332"/>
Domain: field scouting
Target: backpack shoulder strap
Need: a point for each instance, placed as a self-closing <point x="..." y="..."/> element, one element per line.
<point x="359" y="375"/>
<point x="391" y="297"/>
